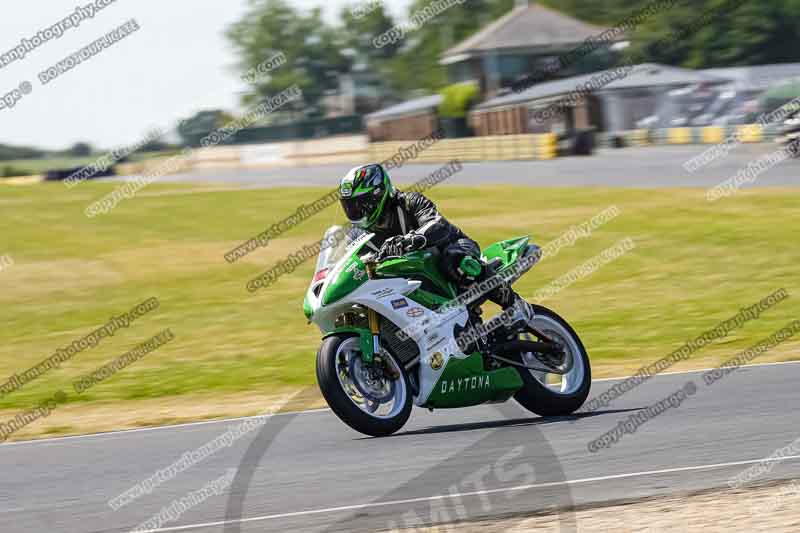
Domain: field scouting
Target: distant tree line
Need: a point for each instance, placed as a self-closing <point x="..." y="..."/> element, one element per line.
<point x="10" y="153"/>
<point x="318" y="53"/>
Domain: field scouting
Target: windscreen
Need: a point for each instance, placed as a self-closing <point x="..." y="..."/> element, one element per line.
<point x="334" y="245"/>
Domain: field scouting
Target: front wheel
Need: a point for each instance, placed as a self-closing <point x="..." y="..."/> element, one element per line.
<point x="373" y="399"/>
<point x="552" y="394"/>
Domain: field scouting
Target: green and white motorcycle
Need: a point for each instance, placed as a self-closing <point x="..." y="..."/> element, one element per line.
<point x="396" y="333"/>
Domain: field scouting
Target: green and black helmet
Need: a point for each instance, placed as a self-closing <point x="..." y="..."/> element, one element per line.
<point x="364" y="192"/>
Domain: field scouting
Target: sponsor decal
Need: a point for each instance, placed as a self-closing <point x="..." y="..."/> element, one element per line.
<point x="437" y="360"/>
<point x="399" y="303"/>
<point x="358" y="274"/>
<point x="347" y="189"/>
<point x="415" y="312"/>
<point x="465" y="384"/>
<point x="382" y="293"/>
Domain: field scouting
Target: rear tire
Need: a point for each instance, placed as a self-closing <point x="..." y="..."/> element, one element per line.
<point x="343" y="404"/>
<point x="547" y="401"/>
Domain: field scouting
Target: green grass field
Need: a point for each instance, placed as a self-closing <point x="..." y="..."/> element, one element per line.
<point x="694" y="265"/>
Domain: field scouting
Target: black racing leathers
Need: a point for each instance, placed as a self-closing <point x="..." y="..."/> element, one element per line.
<point x="413" y="213"/>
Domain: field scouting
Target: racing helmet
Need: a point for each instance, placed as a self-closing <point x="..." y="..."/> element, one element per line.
<point x="364" y="192"/>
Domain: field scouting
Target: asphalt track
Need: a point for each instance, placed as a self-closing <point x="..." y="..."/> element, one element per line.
<point x="658" y="166"/>
<point x="309" y="472"/>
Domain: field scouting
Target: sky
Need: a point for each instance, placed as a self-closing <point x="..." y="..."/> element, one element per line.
<point x="178" y="62"/>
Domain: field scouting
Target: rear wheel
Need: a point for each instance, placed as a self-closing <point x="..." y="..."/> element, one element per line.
<point x="549" y="394"/>
<point x="373" y="399"/>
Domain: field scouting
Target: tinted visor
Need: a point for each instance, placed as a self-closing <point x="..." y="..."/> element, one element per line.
<point x="361" y="207"/>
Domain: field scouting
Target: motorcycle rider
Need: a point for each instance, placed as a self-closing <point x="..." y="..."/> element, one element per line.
<point x="403" y="222"/>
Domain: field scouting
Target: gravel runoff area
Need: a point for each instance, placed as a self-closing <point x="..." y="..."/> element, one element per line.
<point x="769" y="507"/>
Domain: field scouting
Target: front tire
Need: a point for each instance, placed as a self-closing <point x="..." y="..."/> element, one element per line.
<point x="539" y="395"/>
<point x="374" y="407"/>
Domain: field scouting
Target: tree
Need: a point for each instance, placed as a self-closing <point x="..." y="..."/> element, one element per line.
<point x="9" y="153"/>
<point x="359" y="29"/>
<point x="753" y="33"/>
<point x="417" y="64"/>
<point x="312" y="50"/>
<point x="80" y="149"/>
<point x="156" y="145"/>
<point x="607" y="12"/>
<point x="371" y="65"/>
<point x="193" y="129"/>
<point x="750" y="33"/>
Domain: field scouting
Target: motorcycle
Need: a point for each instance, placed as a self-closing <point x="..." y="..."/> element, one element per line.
<point x="396" y="333"/>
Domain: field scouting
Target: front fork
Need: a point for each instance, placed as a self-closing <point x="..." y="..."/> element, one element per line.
<point x="375" y="329"/>
<point x="374" y="322"/>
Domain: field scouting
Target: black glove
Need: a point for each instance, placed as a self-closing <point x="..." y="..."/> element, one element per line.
<point x="401" y="244"/>
<point x="391" y="247"/>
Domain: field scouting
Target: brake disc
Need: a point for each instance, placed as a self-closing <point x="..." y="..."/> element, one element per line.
<point x="372" y="387"/>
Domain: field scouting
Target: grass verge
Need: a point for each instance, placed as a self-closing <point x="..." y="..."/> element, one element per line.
<point x="694" y="265"/>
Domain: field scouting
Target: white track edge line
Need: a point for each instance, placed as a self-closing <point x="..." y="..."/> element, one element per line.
<point x="466" y="494"/>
